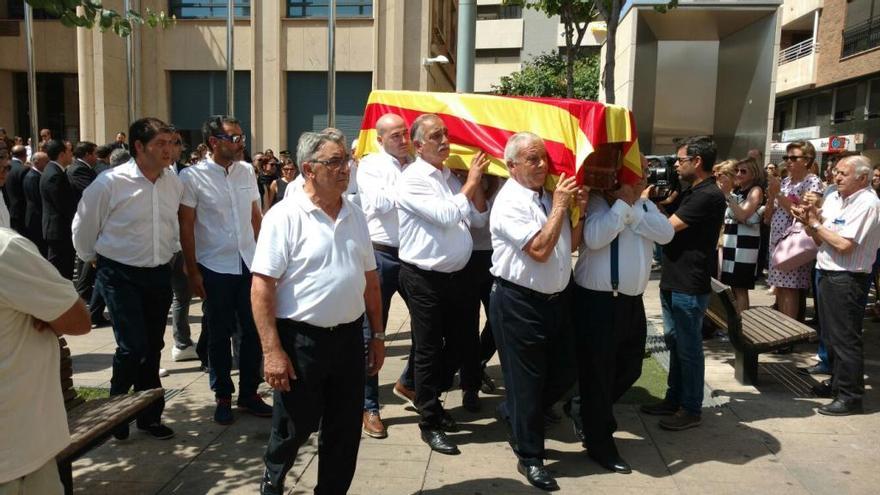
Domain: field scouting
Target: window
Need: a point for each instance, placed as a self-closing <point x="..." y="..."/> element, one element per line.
<point x="196" y="95"/>
<point x="845" y="103"/>
<point x="321" y="8"/>
<point x="207" y="9"/>
<point x="862" y="28"/>
<point x="782" y="116"/>
<point x="873" y="100"/>
<point x="492" y="12"/>
<point x="813" y="110"/>
<point x="307" y="102"/>
<point x="16" y="11"/>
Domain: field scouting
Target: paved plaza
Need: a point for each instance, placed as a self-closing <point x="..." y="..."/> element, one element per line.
<point x="767" y="440"/>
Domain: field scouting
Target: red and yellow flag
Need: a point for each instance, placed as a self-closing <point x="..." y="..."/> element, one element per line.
<point x="572" y="129"/>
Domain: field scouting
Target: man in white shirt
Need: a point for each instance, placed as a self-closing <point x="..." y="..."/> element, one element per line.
<point x="377" y="179"/>
<point x="126" y="223"/>
<point x="847" y="230"/>
<point x="33" y="431"/>
<point x="220" y="219"/>
<point x="435" y="212"/>
<point x="314" y="277"/>
<point x="531" y="260"/>
<point x="611" y="274"/>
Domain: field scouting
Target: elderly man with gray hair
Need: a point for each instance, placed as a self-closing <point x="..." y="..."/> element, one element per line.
<point x="532" y="241"/>
<point x="847" y="230"/>
<point x="314" y="276"/>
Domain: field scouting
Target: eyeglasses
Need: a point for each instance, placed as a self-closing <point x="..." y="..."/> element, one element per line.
<point x="682" y="159"/>
<point x="234" y="138"/>
<point x="792" y="157"/>
<point x="334" y="163"/>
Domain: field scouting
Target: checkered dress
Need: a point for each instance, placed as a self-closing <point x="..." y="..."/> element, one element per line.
<point x="740" y="245"/>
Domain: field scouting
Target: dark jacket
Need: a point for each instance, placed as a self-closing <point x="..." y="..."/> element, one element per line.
<point x="33" y="217"/>
<point x="15" y="192"/>
<point x="59" y="203"/>
<point x="80" y="175"/>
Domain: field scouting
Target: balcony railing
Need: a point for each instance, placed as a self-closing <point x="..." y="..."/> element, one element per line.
<point x="861" y="37"/>
<point x="796" y="51"/>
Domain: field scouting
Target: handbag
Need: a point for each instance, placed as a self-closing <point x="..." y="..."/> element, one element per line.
<point x="796" y="248"/>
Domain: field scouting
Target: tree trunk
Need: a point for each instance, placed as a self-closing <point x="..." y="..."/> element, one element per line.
<point x="610" y="48"/>
<point x="568" y="23"/>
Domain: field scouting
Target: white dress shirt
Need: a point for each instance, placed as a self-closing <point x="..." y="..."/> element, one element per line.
<point x="434" y="219"/>
<point x="637" y="227"/>
<point x="128" y="219"/>
<point x="296" y="184"/>
<point x="377" y="179"/>
<point x="319" y="263"/>
<point x="223" y="200"/>
<point x="4" y="215"/>
<point x="856" y="218"/>
<point x="518" y="214"/>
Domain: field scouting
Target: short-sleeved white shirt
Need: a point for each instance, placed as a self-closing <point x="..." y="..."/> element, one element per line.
<point x="223" y="200"/>
<point x="319" y="262"/>
<point x="856" y="218"/>
<point x="377" y="178"/>
<point x="34" y="425"/>
<point x="518" y="214"/>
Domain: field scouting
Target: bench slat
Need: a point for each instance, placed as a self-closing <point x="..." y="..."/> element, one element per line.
<point x="756" y="335"/>
<point x="771" y="329"/>
<point x="792" y="326"/>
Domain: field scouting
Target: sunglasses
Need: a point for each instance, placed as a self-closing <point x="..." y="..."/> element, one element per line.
<point x="793" y="157"/>
<point x="235" y="138"/>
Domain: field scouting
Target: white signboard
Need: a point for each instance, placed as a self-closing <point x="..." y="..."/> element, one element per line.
<point x="801" y="134"/>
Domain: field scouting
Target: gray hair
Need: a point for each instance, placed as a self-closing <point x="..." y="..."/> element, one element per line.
<point x="861" y="165"/>
<point x="119" y="156"/>
<point x="310" y="142"/>
<point x="516" y="142"/>
<point x="416" y="133"/>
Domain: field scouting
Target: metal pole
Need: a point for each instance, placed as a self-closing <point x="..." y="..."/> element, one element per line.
<point x="31" y="74"/>
<point x="129" y="68"/>
<point x="464" y="56"/>
<point x="230" y="54"/>
<point x="331" y="65"/>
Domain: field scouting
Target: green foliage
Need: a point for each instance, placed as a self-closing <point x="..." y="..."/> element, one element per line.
<point x="545" y="76"/>
<point x="92" y="393"/>
<point x="93" y="13"/>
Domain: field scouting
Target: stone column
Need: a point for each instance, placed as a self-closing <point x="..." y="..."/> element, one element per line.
<point x="268" y="77"/>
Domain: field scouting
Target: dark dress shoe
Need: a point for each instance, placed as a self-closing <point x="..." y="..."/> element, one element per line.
<point x="538" y="476"/>
<point x="842" y="407"/>
<point x="823" y="389"/>
<point x="439" y="442"/>
<point x="613" y="463"/>
<point x="269" y="488"/>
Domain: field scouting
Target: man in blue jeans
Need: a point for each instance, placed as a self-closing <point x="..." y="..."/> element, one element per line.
<point x="688" y="263"/>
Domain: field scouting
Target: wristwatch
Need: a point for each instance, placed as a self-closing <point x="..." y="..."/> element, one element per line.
<point x="815" y="226"/>
<point x="379" y="336"/>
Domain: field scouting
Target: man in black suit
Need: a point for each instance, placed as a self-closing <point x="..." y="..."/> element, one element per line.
<point x="33" y="217"/>
<point x="15" y="188"/>
<point x="59" y="206"/>
<point x="103" y="154"/>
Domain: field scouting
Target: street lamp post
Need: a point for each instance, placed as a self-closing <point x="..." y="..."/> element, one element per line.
<point x="331" y="65"/>
<point x="31" y="74"/>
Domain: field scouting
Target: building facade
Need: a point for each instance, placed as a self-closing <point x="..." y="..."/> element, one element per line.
<point x="828" y="84"/>
<point x="280" y="60"/>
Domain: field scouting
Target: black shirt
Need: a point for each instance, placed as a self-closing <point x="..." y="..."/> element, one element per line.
<point x="691" y="258"/>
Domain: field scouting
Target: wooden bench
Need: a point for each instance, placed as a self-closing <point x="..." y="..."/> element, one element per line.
<point x="756" y="330"/>
<point x="92" y="422"/>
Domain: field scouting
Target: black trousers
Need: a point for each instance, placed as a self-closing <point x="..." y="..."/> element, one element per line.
<point x="477" y="276"/>
<point x="842" y="308"/>
<point x="533" y="335"/>
<point x="328" y="394"/>
<point x="85" y="287"/>
<point x="442" y="326"/>
<point x="61" y="255"/>
<point x="610" y="335"/>
<point x="138" y="300"/>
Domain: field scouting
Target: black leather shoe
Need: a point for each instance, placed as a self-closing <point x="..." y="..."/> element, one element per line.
<point x="269" y="488"/>
<point x="538" y="476"/>
<point x="439" y="442"/>
<point x="447" y="423"/>
<point x="613" y="463"/>
<point x="823" y="389"/>
<point x="840" y="407"/>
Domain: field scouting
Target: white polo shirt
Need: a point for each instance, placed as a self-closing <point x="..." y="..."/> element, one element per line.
<point x="518" y="214"/>
<point x="128" y="219"/>
<point x="319" y="262"/>
<point x="377" y="177"/>
<point x="223" y="201"/>
<point x="856" y="218"/>
<point x="434" y="219"/>
<point x="636" y="227"/>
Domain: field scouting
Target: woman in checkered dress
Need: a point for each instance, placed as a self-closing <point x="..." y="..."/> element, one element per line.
<point x="741" y="240"/>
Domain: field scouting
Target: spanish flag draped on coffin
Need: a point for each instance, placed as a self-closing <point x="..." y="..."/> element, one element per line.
<point x="597" y="141"/>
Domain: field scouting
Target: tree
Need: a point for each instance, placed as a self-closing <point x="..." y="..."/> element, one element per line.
<point x="575" y="15"/>
<point x="546" y="76"/>
<point x="93" y="13"/>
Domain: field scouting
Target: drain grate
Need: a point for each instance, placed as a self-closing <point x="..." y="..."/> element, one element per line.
<point x="786" y="374"/>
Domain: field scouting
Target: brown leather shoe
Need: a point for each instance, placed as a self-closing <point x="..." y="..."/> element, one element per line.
<point x="407" y="395"/>
<point x="373" y="426"/>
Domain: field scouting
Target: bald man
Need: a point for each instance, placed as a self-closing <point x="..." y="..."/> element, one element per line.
<point x="33" y="215"/>
<point x="377" y="178"/>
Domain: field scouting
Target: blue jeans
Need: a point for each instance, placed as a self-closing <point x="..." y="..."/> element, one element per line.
<point x="228" y="307"/>
<point x="683" y="324"/>
<point x="388" y="268"/>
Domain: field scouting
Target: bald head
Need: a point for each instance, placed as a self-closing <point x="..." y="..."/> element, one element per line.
<point x="39" y="160"/>
<point x="20" y="152"/>
<point x="393" y="136"/>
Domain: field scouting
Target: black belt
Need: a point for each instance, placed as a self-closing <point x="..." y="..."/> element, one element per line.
<point x="386" y="249"/>
<point x="430" y="273"/>
<point x="856" y="275"/>
<point x="529" y="292"/>
<point x="300" y="325"/>
<point x="107" y="261"/>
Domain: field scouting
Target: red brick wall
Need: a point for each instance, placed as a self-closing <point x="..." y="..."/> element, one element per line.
<point x="831" y="68"/>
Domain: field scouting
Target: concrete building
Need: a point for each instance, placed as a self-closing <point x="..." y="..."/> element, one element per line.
<point x="508" y="35"/>
<point x="280" y="61"/>
<point x="707" y="67"/>
<point x="828" y="82"/>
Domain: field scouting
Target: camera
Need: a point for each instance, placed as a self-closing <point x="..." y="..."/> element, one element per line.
<point x="662" y="175"/>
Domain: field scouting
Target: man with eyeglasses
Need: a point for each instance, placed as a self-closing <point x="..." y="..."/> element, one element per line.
<point x="314" y="278"/>
<point x="689" y="261"/>
<point x="377" y="178"/>
<point x="220" y="218"/>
